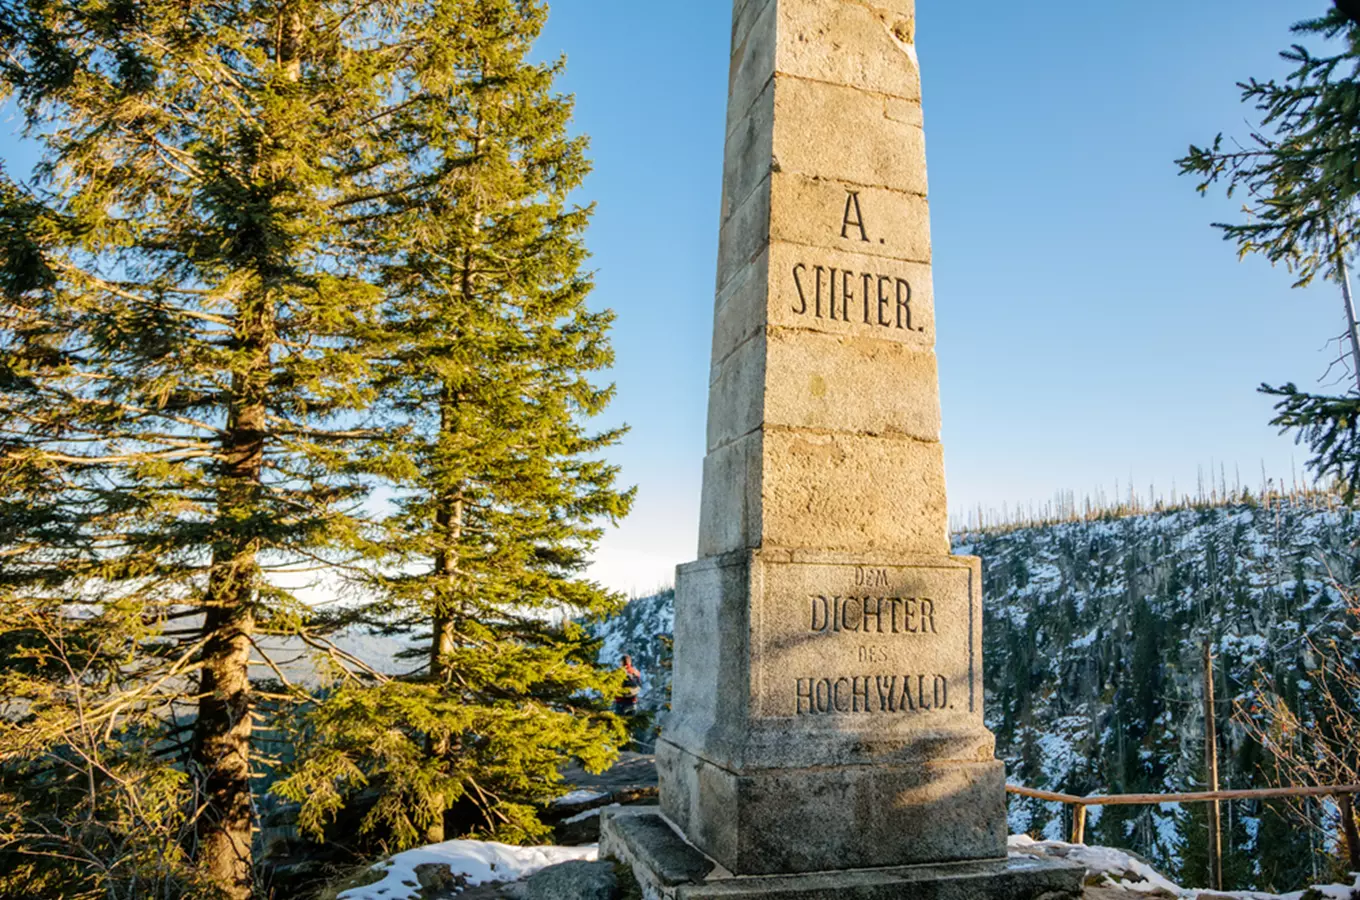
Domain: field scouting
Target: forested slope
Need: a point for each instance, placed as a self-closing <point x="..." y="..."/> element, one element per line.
<point x="1094" y="634"/>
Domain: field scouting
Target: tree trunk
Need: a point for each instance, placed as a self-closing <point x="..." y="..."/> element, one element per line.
<point x="221" y="748"/>
<point x="443" y="641"/>
<point x="1349" y="831"/>
<point x="1343" y="276"/>
<point x="449" y="524"/>
<point x="221" y="739"/>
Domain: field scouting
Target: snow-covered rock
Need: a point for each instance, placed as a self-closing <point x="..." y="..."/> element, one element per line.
<point x="476" y="862"/>
<point x="1105" y="866"/>
<point x="579" y="798"/>
<point x="1121" y="871"/>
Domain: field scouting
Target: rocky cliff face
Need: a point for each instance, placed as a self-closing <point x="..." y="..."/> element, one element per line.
<point x="1094" y="667"/>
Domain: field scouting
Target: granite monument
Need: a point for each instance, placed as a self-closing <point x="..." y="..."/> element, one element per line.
<point x="827" y="685"/>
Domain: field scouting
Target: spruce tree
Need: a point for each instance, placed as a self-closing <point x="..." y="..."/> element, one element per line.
<point x="492" y="349"/>
<point x="234" y="199"/>
<point x="1299" y="173"/>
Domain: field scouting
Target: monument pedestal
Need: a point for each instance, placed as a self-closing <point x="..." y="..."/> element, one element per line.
<point x="667" y="867"/>
<point x="827" y="713"/>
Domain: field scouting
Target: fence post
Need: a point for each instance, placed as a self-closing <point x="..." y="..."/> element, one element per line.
<point x="1211" y="771"/>
<point x="1079" y="824"/>
<point x="1352" y="834"/>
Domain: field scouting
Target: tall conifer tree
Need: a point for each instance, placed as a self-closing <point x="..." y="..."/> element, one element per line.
<point x="1299" y="174"/>
<point x="234" y="196"/>
<point x="493" y="349"/>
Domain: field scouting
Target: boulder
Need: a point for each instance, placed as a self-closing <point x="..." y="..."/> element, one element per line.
<point x="575" y="880"/>
<point x="438" y="881"/>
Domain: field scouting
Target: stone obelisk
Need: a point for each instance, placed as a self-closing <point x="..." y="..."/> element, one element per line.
<point x="827" y="693"/>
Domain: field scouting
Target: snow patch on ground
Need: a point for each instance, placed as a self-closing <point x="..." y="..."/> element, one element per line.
<point x="589" y="814"/>
<point x="1117" y="868"/>
<point x="576" y="798"/>
<point x="480" y="862"/>
<point x="1341" y="892"/>
<point x="1108" y="867"/>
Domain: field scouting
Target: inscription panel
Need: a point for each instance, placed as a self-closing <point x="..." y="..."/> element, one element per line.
<point x="843" y="288"/>
<point x="844" y="292"/>
<point x="882" y="645"/>
<point x="824" y="291"/>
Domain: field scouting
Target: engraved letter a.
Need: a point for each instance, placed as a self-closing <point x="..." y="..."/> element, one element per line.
<point x="853" y="216"/>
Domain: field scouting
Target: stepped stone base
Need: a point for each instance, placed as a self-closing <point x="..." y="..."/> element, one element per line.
<point x="667" y="867"/>
<point x="836" y="817"/>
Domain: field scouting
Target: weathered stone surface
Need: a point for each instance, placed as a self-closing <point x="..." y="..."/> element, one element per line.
<point x="710" y="684"/>
<point x="924" y="812"/>
<point x="809" y="172"/>
<point x="744" y="234"/>
<point x="736" y="394"/>
<point x="829" y="131"/>
<point x="903" y="8"/>
<point x="753" y="57"/>
<point x="847" y="43"/>
<point x="739" y="311"/>
<point x="791" y="286"/>
<point x="858" y="385"/>
<point x="805" y="489"/>
<point x="730" y="505"/>
<point x="796" y="379"/>
<point x="892" y="649"/>
<point x="744" y="14"/>
<point x="814" y="210"/>
<point x="755" y="632"/>
<point x="574" y="880"/>
<point x="852" y="493"/>
<point x="1001" y="880"/>
<point x="867" y="46"/>
<point x="642" y="839"/>
<point x="889" y="300"/>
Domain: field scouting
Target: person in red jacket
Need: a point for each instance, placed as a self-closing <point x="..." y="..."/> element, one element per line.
<point x="625" y="704"/>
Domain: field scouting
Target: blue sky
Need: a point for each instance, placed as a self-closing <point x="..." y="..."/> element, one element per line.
<point x="1092" y="327"/>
